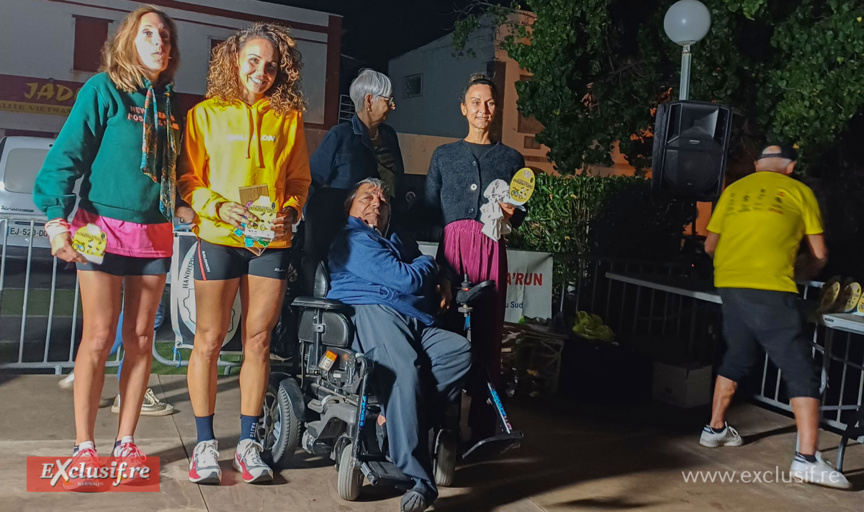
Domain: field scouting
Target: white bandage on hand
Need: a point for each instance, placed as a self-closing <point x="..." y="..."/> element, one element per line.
<point x="56" y="227"/>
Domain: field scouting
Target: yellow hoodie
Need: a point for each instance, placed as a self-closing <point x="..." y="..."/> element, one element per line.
<point x="228" y="147"/>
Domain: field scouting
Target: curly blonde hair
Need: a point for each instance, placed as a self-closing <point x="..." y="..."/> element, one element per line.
<point x="223" y="81"/>
<point x="120" y="56"/>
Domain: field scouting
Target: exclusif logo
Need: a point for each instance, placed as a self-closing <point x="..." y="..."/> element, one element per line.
<point x="99" y="474"/>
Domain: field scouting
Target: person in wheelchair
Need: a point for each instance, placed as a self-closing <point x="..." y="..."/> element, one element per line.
<point x="396" y="292"/>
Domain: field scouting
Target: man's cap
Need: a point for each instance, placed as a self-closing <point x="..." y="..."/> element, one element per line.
<point x="787" y="152"/>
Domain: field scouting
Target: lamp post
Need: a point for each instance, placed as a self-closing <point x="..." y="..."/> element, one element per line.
<point x="686" y="23"/>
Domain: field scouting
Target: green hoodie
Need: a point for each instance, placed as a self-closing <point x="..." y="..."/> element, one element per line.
<point x="102" y="141"/>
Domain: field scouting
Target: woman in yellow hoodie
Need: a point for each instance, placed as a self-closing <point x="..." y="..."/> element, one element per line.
<point x="248" y="132"/>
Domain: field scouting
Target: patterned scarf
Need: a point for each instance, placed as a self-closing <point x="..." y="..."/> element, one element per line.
<point x="167" y="177"/>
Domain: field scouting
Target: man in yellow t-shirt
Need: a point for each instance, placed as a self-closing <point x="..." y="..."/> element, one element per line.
<point x="754" y="236"/>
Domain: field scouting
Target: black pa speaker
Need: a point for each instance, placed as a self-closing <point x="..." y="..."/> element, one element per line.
<point x="691" y="142"/>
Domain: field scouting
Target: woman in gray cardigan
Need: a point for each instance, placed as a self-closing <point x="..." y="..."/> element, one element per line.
<point x="458" y="175"/>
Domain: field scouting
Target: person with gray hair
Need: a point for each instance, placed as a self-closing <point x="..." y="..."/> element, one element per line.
<point x="364" y="147"/>
<point x="372" y="83"/>
<point x="396" y="293"/>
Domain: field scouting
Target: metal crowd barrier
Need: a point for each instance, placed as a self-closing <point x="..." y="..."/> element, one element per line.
<point x="40" y="311"/>
<point x="23" y="348"/>
<point x="636" y="316"/>
<point x="660" y="322"/>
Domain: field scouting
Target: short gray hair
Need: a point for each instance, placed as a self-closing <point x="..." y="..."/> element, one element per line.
<point x="375" y="182"/>
<point x="371" y="82"/>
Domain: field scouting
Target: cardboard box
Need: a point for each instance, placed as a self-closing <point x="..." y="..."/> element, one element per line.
<point x="682" y="385"/>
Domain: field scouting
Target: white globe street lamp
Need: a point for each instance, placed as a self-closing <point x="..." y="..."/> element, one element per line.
<point x="686" y="23"/>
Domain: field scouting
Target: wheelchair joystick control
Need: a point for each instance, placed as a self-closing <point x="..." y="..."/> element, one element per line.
<point x="468" y="293"/>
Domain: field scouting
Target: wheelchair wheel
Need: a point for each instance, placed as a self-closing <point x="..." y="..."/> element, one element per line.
<point x="350" y="477"/>
<point x="446" y="453"/>
<point x="279" y="430"/>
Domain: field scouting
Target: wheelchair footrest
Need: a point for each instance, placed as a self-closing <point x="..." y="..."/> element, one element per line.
<point x="493" y="446"/>
<point x="379" y="472"/>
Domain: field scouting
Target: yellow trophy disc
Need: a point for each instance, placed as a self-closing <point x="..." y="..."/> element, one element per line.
<point x="830" y="293"/>
<point x="852" y="292"/>
<point x="859" y="310"/>
<point x="522" y="186"/>
<point x="90" y="242"/>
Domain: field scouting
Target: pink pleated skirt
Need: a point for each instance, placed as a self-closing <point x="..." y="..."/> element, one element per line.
<point x="468" y="251"/>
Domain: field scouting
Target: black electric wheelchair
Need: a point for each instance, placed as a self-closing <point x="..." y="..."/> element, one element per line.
<point x="322" y="402"/>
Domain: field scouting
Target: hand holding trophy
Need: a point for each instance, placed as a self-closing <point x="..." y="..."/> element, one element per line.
<point x="233" y="213"/>
<point x="284" y="220"/>
<point x="521" y="190"/>
<point x="90" y="242"/>
<point x="256" y="228"/>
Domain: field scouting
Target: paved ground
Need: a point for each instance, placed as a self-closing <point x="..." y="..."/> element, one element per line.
<point x="575" y="457"/>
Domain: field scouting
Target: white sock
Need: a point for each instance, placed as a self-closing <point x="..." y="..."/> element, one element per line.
<point x="120" y="443"/>
<point x="83" y="446"/>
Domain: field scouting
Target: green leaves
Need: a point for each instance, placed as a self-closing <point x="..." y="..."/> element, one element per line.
<point x="792" y="71"/>
<point x="584" y="215"/>
<point x="821" y="76"/>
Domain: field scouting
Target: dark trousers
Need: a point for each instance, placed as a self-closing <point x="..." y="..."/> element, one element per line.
<point x="770" y="319"/>
<point x="412" y="362"/>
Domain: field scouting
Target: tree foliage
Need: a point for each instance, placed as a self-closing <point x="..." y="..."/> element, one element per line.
<point x="575" y="217"/>
<point x="792" y="71"/>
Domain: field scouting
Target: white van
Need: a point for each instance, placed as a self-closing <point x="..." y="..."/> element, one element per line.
<point x="20" y="161"/>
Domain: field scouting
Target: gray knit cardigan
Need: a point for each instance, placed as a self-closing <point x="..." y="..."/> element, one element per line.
<point x="456" y="180"/>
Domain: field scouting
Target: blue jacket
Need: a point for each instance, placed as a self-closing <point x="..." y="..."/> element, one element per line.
<point x="367" y="269"/>
<point x="346" y="155"/>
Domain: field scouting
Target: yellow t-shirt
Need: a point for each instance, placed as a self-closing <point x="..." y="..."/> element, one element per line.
<point x="761" y="220"/>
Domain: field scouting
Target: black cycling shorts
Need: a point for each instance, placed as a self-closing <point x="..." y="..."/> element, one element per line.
<point x="219" y="262"/>
<point x="122" y="266"/>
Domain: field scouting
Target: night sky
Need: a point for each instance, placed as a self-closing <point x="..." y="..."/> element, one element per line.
<point x="378" y="30"/>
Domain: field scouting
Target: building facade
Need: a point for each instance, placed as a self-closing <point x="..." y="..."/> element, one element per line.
<point x="51" y="47"/>
<point x="428" y="83"/>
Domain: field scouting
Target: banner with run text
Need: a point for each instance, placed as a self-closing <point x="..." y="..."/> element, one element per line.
<point x="529" y="283"/>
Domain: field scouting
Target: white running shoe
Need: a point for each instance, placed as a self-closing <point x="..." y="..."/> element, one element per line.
<point x="248" y="462"/>
<point x="727" y="437"/>
<point x="68" y="381"/>
<point x="204" y="466"/>
<point x="819" y="472"/>
<point x="151" y="406"/>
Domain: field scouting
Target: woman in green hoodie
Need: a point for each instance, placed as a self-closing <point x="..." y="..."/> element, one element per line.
<point x="121" y="140"/>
